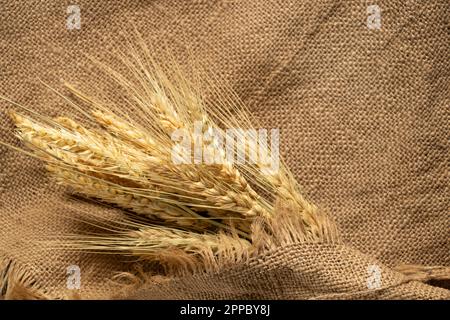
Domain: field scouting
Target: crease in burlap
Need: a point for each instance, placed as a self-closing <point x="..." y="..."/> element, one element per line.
<point x="297" y="271"/>
<point x="289" y="263"/>
<point x="363" y="117"/>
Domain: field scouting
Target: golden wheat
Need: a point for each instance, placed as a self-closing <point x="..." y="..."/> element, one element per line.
<point x="128" y="162"/>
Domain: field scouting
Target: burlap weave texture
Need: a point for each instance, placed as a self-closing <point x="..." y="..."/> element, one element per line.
<point x="363" y="115"/>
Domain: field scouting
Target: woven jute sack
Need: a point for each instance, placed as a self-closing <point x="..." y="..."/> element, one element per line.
<point x="361" y="95"/>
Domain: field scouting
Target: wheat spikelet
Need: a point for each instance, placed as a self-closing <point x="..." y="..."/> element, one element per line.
<point x="71" y="125"/>
<point x="125" y="130"/>
<point x="89" y="147"/>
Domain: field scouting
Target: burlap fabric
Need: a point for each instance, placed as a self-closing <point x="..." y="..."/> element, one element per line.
<point x="363" y="115"/>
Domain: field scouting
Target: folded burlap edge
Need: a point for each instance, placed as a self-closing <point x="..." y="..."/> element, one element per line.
<point x="295" y="271"/>
<point x="288" y="264"/>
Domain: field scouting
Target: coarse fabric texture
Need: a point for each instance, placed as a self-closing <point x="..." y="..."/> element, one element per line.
<point x="298" y="271"/>
<point x="363" y="115"/>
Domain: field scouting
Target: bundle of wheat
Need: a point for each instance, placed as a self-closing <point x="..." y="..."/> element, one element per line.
<point x="130" y="161"/>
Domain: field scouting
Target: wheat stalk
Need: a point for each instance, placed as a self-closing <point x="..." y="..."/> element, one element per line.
<point x="149" y="242"/>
